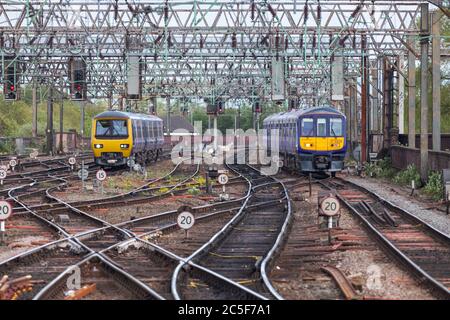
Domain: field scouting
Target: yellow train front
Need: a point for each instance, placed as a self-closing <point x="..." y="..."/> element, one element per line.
<point x="120" y="136"/>
<point x="310" y="140"/>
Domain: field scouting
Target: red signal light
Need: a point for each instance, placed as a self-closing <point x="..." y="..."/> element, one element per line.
<point x="11" y="88"/>
<point x="78" y="87"/>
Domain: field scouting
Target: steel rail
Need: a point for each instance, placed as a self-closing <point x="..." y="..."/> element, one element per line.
<point x="224" y="231"/>
<point x="55" y="284"/>
<point x="430" y="280"/>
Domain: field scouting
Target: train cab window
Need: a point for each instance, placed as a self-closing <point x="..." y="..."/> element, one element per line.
<point x="111" y="128"/>
<point x="307" y="127"/>
<point x="321" y="127"/>
<point x="336" y="127"/>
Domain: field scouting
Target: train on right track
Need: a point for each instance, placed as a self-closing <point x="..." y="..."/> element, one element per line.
<point x="310" y="140"/>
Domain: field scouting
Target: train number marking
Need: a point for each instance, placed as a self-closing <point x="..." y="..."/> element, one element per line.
<point x="185" y="220"/>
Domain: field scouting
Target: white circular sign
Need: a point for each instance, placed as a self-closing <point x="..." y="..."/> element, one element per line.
<point x="185" y="220"/>
<point x="330" y="206"/>
<point x="5" y="210"/>
<point x="101" y="175"/>
<point x="34" y="154"/>
<point x="2" y="174"/>
<point x="222" y="179"/>
<point x="13" y="163"/>
<point x="130" y="163"/>
<point x="83" y="174"/>
<point x="72" y="161"/>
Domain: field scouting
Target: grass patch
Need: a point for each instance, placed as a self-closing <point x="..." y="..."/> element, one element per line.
<point x="380" y="169"/>
<point x="405" y="177"/>
<point x="434" y="187"/>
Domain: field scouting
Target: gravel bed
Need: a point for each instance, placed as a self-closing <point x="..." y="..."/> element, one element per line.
<point x="401" y="198"/>
<point x="300" y="278"/>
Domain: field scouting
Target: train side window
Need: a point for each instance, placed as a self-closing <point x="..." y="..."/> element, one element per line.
<point x="144" y="129"/>
<point x="321" y="127"/>
<point x="133" y="126"/>
<point x="307" y="127"/>
<point x="336" y="127"/>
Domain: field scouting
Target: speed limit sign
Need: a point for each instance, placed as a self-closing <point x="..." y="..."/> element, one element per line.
<point x="2" y="174"/>
<point x="5" y="210"/>
<point x="222" y="179"/>
<point x="101" y="175"/>
<point x="72" y="161"/>
<point x="330" y="206"/>
<point x="13" y="163"/>
<point x="185" y="220"/>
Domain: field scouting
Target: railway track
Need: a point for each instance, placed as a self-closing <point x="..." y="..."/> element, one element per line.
<point x="413" y="242"/>
<point x="97" y="240"/>
<point x="91" y="241"/>
<point x="261" y="224"/>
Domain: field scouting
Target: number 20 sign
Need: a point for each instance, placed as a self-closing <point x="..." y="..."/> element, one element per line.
<point x="5" y="210"/>
<point x="330" y="206"/>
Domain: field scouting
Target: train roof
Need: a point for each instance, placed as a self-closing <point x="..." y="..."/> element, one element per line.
<point x="126" y="115"/>
<point x="295" y="114"/>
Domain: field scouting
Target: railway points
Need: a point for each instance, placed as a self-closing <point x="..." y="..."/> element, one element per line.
<point x="224" y="150"/>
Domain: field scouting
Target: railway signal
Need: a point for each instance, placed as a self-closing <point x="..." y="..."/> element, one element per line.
<point x="11" y="79"/>
<point x="78" y="84"/>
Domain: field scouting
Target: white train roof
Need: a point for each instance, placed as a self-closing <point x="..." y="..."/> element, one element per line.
<point x="293" y="115"/>
<point x="127" y="115"/>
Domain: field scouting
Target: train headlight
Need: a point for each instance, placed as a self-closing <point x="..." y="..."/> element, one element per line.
<point x="98" y="146"/>
<point x="124" y="146"/>
<point x="308" y="145"/>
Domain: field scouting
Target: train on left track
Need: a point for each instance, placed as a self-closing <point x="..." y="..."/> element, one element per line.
<point x="119" y="136"/>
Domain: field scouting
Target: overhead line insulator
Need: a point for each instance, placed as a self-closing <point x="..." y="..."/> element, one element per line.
<point x="305" y="13"/>
<point x="253" y="8"/>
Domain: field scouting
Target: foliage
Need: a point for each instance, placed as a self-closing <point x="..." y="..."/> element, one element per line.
<point x="16" y="120"/>
<point x="434" y="186"/>
<point x="372" y="170"/>
<point x="386" y="168"/>
<point x="7" y="147"/>
<point x="381" y="169"/>
<point x="193" y="191"/>
<point x="162" y="190"/>
<point x="405" y="177"/>
<point x="201" y="181"/>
